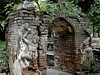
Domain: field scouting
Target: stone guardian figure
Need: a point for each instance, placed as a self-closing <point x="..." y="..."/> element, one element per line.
<point x="27" y="53"/>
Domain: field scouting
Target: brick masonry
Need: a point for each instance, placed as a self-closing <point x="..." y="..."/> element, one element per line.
<point x="66" y="48"/>
<point x="24" y="18"/>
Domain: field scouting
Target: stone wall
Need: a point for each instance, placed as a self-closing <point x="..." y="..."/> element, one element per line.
<point x="66" y="48"/>
<point x="21" y="21"/>
<point x="64" y="52"/>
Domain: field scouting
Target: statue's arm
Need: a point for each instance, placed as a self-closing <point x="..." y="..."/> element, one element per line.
<point x="26" y="41"/>
<point x="81" y="49"/>
<point x="24" y="36"/>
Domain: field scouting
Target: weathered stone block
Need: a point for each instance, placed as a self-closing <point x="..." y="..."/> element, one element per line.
<point x="28" y="18"/>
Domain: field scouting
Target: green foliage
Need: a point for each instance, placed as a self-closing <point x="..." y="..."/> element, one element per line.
<point x="3" y="56"/>
<point x="85" y="66"/>
<point x="2" y="44"/>
<point x="49" y="7"/>
<point x="92" y="67"/>
<point x="2" y="52"/>
<point x="62" y="6"/>
<point x="9" y="8"/>
<point x="94" y="13"/>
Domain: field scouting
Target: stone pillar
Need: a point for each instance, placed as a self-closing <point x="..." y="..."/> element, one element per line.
<point x="42" y="51"/>
<point x="24" y="26"/>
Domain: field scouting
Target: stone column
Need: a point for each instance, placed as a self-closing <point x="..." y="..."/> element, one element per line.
<point x="42" y="51"/>
<point x="23" y="24"/>
<point x="23" y="17"/>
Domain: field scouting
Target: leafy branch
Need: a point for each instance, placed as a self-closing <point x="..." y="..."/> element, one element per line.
<point x="62" y="6"/>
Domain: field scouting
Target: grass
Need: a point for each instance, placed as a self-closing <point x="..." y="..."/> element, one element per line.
<point x="2" y="52"/>
<point x="2" y="44"/>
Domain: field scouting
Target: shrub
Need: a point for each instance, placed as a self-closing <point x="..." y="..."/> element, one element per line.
<point x="92" y="67"/>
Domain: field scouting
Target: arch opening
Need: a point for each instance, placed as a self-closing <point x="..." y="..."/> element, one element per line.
<point x="64" y="44"/>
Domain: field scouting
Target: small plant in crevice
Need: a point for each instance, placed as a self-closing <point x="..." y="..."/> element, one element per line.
<point x="92" y="67"/>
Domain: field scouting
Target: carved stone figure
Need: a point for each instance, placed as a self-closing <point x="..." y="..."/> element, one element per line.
<point x="86" y="51"/>
<point x="27" y="52"/>
<point x="89" y="53"/>
<point x="31" y="44"/>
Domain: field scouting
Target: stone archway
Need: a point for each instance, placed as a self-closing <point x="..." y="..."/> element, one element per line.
<point x="68" y="35"/>
<point x="64" y="44"/>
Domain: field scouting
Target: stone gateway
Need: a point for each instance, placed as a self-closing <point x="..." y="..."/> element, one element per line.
<point x="27" y="36"/>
